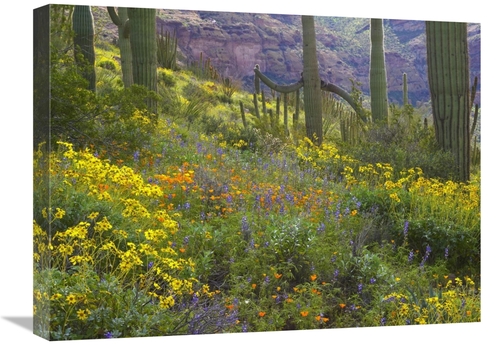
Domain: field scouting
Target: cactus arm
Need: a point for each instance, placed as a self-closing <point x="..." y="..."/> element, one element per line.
<point x="120" y="19"/>
<point x="114" y="16"/>
<point x="343" y="94"/>
<point x="296" y="86"/>
<point x="280" y="88"/>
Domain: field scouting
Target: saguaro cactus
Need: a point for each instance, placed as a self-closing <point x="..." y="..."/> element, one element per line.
<point x="448" y="73"/>
<point x="312" y="83"/>
<point x="83" y="27"/>
<point x="167" y="50"/>
<point x="405" y="89"/>
<point x="144" y="49"/>
<point x="378" y="76"/>
<point x="120" y="19"/>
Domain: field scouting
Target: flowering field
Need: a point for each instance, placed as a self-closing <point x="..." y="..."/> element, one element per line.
<point x="196" y="232"/>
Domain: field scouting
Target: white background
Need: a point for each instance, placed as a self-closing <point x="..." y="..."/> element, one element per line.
<point x="16" y="168"/>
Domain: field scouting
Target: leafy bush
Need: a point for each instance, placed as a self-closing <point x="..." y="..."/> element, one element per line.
<point x="187" y="109"/>
<point x="125" y="125"/>
<point x="404" y="144"/>
<point x="74" y="108"/>
<point x="166" y="77"/>
<point x="450" y="302"/>
<point x="108" y="64"/>
<point x="453" y="243"/>
<point x="105" y="275"/>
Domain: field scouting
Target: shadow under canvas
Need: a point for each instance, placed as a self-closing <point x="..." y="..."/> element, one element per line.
<point x="25" y="322"/>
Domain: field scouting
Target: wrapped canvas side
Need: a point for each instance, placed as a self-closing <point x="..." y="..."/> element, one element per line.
<point x="41" y="148"/>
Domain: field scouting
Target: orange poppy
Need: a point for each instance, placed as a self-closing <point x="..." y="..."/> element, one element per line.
<point x="262" y="313"/>
<point x="304" y="313"/>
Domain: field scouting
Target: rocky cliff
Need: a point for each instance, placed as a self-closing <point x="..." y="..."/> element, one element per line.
<point x="235" y="42"/>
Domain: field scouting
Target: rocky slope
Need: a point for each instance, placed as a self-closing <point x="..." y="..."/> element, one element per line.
<point x="235" y="42"/>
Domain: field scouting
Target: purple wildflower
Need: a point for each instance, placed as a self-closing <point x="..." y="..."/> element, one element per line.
<point x="195" y="299"/>
<point x="244" y="224"/>
<point x="426" y="255"/>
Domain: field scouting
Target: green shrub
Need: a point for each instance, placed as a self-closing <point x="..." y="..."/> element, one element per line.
<point x="126" y="125"/>
<point x="404" y="144"/>
<point x="108" y="64"/>
<point x="166" y="78"/>
<point x="457" y="246"/>
<point x="74" y="108"/>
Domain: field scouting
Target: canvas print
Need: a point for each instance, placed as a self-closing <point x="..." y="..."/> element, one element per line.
<point x="200" y="172"/>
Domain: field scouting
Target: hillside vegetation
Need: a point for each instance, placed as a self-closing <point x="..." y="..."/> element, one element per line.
<point x="235" y="42"/>
<point x="202" y="220"/>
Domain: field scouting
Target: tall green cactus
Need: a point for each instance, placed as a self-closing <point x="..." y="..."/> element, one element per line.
<point x="312" y="83"/>
<point x="448" y="73"/>
<point x="120" y="19"/>
<point x="378" y="76"/>
<point x="405" y="89"/>
<point x="167" y="50"/>
<point x="83" y="28"/>
<point x="144" y="50"/>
